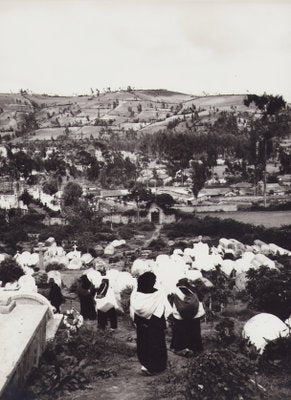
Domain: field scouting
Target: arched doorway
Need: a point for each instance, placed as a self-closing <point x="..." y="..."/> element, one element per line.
<point x="155" y="217"/>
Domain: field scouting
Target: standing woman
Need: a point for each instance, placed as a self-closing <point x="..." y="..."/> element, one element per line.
<point x="55" y="295"/>
<point x="106" y="306"/>
<point x="187" y="312"/>
<point x="87" y="303"/>
<point x="148" y="305"/>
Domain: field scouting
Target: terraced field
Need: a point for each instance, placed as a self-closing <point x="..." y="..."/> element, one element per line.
<point x="146" y="111"/>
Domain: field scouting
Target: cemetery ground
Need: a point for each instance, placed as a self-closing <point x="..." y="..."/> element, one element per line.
<point x="103" y="365"/>
<point x="115" y="373"/>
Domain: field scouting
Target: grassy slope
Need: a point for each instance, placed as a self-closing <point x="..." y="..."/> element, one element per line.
<point x="54" y="113"/>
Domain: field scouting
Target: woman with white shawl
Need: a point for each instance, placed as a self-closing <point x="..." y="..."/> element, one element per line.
<point x="148" y="305"/>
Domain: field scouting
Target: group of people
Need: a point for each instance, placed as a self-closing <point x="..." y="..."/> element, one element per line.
<point x="149" y="306"/>
<point x="150" y="309"/>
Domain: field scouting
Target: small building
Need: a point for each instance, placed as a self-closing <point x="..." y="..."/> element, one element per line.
<point x="214" y="192"/>
<point x="54" y="221"/>
<point x="285" y="179"/>
<point x="242" y="185"/>
<point x="160" y="216"/>
<point x="119" y="193"/>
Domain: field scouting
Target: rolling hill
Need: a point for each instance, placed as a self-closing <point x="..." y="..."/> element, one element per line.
<point x="143" y="111"/>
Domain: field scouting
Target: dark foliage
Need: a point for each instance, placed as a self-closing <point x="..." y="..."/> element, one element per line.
<point x="146" y="226"/>
<point x="55" y="267"/>
<point x="10" y="271"/>
<point x="225" y="331"/>
<point x="269" y="104"/>
<point x="56" y="231"/>
<point x="126" y="232"/>
<point x="276" y="356"/>
<point x="70" y="364"/>
<point x="222" y="374"/>
<point x="26" y="197"/>
<point x="72" y="193"/>
<point x="270" y="290"/>
<point x="157" y="244"/>
<point x="164" y="200"/>
<point x="41" y="279"/>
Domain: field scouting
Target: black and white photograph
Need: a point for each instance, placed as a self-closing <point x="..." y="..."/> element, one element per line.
<point x="145" y="199"/>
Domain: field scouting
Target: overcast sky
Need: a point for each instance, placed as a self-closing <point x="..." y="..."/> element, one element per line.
<point x="218" y="46"/>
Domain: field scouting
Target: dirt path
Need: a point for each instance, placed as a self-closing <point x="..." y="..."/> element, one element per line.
<point x="129" y="383"/>
<point x="155" y="235"/>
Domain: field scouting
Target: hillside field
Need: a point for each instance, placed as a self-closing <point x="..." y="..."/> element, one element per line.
<point x="144" y="111"/>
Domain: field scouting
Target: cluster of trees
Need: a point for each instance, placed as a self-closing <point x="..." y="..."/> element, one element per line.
<point x="263" y="131"/>
<point x="117" y="170"/>
<point x="113" y="170"/>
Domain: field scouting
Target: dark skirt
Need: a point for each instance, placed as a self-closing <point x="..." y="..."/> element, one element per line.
<point x="151" y="343"/>
<point x="187" y="335"/>
<point x="87" y="306"/>
<point x="104" y="317"/>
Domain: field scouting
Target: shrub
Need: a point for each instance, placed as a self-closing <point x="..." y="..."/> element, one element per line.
<point x="106" y="236"/>
<point x="270" y="290"/>
<point x="10" y="271"/>
<point x="70" y="364"/>
<point x="157" y="244"/>
<point x="222" y="374"/>
<point x="50" y="187"/>
<point x="130" y="213"/>
<point x="126" y="232"/>
<point x="146" y="226"/>
<point x="54" y="266"/>
<point x="276" y="356"/>
<point x="59" y="232"/>
<point x="225" y="331"/>
<point x="41" y="279"/>
<point x="219" y="294"/>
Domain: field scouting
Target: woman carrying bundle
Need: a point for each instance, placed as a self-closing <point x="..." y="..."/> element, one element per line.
<point x="106" y="306"/>
<point x="87" y="304"/>
<point x="187" y="313"/>
<point x="148" y="305"/>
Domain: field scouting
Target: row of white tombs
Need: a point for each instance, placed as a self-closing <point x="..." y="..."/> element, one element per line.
<point x="189" y="263"/>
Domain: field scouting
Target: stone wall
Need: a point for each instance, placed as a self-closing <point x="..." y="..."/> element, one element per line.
<point x="30" y="357"/>
<point x="25" y="329"/>
<point x="217" y="207"/>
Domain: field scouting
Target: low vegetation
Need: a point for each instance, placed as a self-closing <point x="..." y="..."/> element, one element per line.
<point x="10" y="271"/>
<point x="270" y="290"/>
<point x="70" y="363"/>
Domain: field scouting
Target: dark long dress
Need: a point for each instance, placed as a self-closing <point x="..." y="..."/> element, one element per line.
<point x="187" y="335"/>
<point x="87" y="304"/>
<point x="151" y="344"/>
